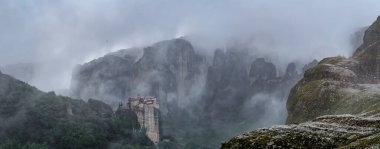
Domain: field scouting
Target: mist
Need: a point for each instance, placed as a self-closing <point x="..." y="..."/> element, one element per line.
<point x="61" y="34"/>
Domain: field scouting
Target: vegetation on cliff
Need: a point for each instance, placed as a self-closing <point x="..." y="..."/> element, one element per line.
<point x="34" y="119"/>
<point x="331" y="131"/>
<point x="339" y="85"/>
<point x="335" y="105"/>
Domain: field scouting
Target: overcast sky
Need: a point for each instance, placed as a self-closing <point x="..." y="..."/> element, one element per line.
<point x="62" y="33"/>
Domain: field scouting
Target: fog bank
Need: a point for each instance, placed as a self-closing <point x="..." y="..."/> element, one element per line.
<point x="60" y="34"/>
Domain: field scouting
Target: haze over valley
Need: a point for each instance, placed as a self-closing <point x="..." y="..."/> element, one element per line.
<point x="188" y="74"/>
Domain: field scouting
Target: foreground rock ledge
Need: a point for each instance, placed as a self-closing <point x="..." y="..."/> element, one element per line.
<point x="331" y="131"/>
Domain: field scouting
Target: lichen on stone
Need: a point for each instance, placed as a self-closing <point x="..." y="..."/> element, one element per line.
<point x="331" y="131"/>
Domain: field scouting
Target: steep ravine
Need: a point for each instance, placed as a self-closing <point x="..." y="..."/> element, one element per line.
<point x="335" y="105"/>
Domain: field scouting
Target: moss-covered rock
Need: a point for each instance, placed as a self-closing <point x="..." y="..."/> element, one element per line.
<point x="332" y="131"/>
<point x="325" y="88"/>
<point x="347" y="90"/>
<point x="340" y="85"/>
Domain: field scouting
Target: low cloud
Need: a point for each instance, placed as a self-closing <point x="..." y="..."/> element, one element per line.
<point x="60" y="34"/>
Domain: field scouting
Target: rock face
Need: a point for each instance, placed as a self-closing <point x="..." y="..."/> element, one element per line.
<point x="170" y="70"/>
<point x="233" y="79"/>
<point x="227" y="84"/>
<point x="371" y="38"/>
<point x="340" y="85"/>
<point x="198" y="97"/>
<point x="261" y="74"/>
<point x="344" y="89"/>
<point x="262" y="70"/>
<point x="331" y="131"/>
<point x="164" y="68"/>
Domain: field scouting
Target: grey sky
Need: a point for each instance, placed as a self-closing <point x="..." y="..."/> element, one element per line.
<point x="62" y="33"/>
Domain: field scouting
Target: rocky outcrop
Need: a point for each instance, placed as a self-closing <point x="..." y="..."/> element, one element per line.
<point x="324" y="89"/>
<point x="234" y="78"/>
<point x="339" y="85"/>
<point x="263" y="75"/>
<point x="226" y="85"/>
<point x="163" y="68"/>
<point x="336" y="104"/>
<point x="102" y="78"/>
<point x="170" y="70"/>
<point x="262" y="70"/>
<point x="371" y="39"/>
<point x="193" y="94"/>
<point x="331" y="131"/>
<point x="368" y="54"/>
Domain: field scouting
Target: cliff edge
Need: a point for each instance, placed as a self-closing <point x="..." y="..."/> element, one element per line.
<point x="340" y="85"/>
<point x="335" y="105"/>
